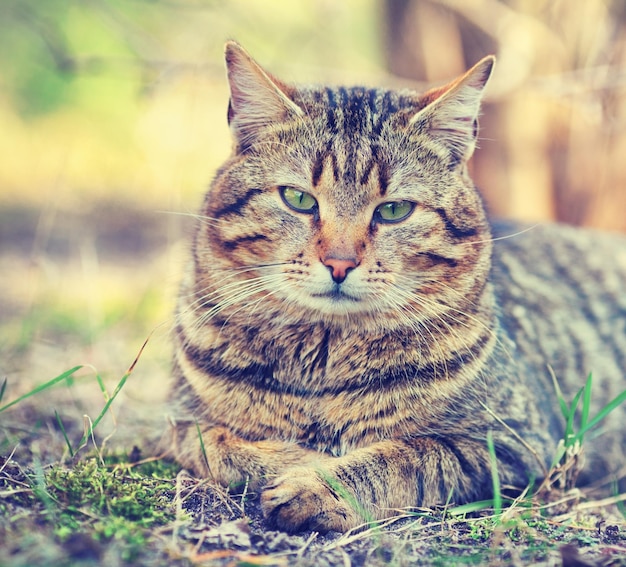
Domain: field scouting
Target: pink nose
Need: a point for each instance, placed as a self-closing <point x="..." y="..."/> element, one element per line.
<point x="339" y="267"/>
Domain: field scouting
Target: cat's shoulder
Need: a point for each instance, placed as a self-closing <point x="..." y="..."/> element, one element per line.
<point x="510" y="236"/>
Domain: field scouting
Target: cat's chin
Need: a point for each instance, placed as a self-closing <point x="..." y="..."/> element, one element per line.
<point x="335" y="304"/>
<point x="332" y="304"/>
<point x="333" y="299"/>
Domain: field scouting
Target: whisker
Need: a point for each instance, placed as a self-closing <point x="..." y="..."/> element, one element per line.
<point x="234" y="293"/>
<point x="230" y="273"/>
<point x="465" y="314"/>
<point x="407" y="315"/>
<point x="252" y="267"/>
<point x="505" y="237"/>
<point x="210" y="221"/>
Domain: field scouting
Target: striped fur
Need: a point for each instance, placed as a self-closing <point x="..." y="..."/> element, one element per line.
<point x="381" y="383"/>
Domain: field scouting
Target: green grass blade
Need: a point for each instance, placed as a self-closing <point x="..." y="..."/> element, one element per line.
<point x="606" y="410"/>
<point x="344" y="494"/>
<point x="559" y="454"/>
<point x="110" y="400"/>
<point x="559" y="394"/>
<point x="62" y="427"/>
<point x="584" y="416"/>
<point x="569" y="437"/>
<point x="64" y="376"/>
<point x="105" y="409"/>
<point x="102" y="387"/>
<point x="471" y="507"/>
<point x="202" y="447"/>
<point x="495" y="479"/>
<point x="3" y="389"/>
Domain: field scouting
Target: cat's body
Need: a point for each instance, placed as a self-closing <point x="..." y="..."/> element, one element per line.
<point x="342" y="338"/>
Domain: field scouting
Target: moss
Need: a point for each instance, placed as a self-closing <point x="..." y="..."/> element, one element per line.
<point x="116" y="492"/>
<point x="115" y="502"/>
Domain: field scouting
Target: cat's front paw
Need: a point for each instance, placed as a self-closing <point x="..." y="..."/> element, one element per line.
<point x="304" y="499"/>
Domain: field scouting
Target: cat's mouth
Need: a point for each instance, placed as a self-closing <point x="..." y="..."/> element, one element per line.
<point x="336" y="294"/>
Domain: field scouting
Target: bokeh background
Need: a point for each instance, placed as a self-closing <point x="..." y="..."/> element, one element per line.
<point x="113" y="120"/>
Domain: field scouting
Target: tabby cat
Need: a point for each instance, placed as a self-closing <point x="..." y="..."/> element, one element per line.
<point x="352" y="328"/>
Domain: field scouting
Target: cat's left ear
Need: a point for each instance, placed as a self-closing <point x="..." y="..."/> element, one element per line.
<point x="257" y="99"/>
<point x="451" y="111"/>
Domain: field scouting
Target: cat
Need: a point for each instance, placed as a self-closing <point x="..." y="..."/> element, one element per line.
<point x="353" y="330"/>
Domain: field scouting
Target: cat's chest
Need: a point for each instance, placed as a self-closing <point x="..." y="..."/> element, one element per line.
<point x="333" y="393"/>
<point x="333" y="422"/>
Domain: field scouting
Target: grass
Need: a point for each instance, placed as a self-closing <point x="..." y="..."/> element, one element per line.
<point x="570" y="413"/>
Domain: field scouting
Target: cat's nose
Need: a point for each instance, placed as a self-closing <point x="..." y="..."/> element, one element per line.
<point x="339" y="267"/>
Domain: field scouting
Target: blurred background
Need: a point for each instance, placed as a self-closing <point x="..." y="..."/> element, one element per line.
<point x="113" y="120"/>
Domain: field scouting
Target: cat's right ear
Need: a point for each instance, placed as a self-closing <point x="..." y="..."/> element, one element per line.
<point x="257" y="99"/>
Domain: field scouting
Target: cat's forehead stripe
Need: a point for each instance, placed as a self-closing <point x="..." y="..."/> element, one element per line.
<point x="359" y="110"/>
<point x="317" y="170"/>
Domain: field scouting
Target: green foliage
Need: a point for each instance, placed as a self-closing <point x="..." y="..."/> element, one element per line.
<point x="495" y="478"/>
<point x="47" y="51"/>
<point x="101" y="499"/>
<point x="62" y="428"/>
<point x="342" y="493"/>
<point x="202" y="447"/>
<point x="156" y="469"/>
<point x="106" y="499"/>
<point x="67" y="376"/>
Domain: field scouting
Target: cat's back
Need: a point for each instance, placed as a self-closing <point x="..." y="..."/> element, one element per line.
<point x="561" y="295"/>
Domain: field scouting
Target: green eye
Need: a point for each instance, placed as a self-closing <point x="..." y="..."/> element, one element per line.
<point x="298" y="200"/>
<point x="393" y="211"/>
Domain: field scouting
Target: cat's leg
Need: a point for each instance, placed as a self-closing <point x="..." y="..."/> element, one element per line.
<point x="370" y="483"/>
<point x="230" y="460"/>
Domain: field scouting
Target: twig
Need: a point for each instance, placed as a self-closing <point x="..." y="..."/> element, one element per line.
<point x="601" y="503"/>
<point x="307" y="543"/>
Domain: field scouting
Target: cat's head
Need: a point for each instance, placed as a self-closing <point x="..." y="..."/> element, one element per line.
<point x="343" y="201"/>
